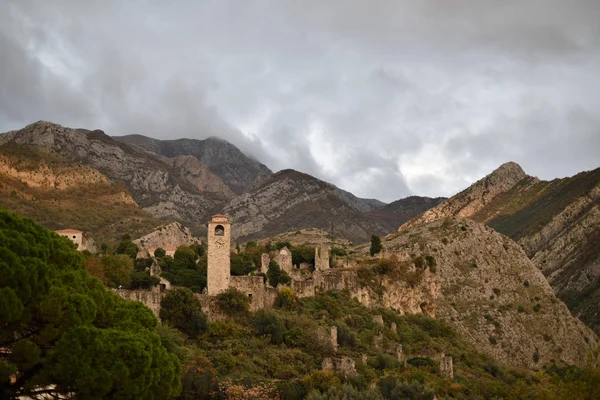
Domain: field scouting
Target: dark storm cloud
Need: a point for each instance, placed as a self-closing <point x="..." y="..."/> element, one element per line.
<point x="382" y="98"/>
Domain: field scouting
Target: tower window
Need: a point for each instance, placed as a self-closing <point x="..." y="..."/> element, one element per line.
<point x="219" y="230"/>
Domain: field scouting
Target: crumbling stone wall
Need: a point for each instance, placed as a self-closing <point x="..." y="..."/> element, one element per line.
<point x="284" y="259"/>
<point x="344" y="366"/>
<point x="254" y="287"/>
<point x="149" y="298"/>
<point x="321" y="258"/>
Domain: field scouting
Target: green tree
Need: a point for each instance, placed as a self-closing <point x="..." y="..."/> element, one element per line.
<point x="143" y="280"/>
<point x="276" y="275"/>
<point x="127" y="247"/>
<point x="375" y="245"/>
<point x="182" y="310"/>
<point x="160" y="252"/>
<point x="185" y="258"/>
<point x="233" y="302"/>
<point x="64" y="334"/>
<point x="117" y="269"/>
<point x="267" y="322"/>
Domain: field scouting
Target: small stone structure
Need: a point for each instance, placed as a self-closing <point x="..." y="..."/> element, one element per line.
<point x="264" y="263"/>
<point x="400" y="355"/>
<point x="334" y="338"/>
<point x="393" y="327"/>
<point x="344" y="366"/>
<point x="446" y="366"/>
<point x="79" y="238"/>
<point x="219" y="252"/>
<point x="378" y="319"/>
<point x="363" y="358"/>
<point x="284" y="259"/>
<point x="321" y="258"/>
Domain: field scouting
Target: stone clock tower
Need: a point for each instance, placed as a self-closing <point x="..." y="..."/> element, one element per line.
<point x="219" y="248"/>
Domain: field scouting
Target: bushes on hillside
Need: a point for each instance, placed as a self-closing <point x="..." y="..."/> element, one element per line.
<point x="182" y="310"/>
<point x="233" y="302"/>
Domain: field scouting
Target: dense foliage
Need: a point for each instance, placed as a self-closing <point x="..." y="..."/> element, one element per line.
<point x="63" y="333"/>
<point x="375" y="245"/>
<point x="180" y="309"/>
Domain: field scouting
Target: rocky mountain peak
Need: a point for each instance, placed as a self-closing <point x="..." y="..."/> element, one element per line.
<point x="471" y="200"/>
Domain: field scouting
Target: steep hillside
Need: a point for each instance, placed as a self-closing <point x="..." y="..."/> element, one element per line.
<point x="491" y="292"/>
<point x="557" y="223"/>
<point x="156" y="183"/>
<point x="59" y="193"/>
<point x="293" y="200"/>
<point x="223" y="159"/>
<point x="400" y="211"/>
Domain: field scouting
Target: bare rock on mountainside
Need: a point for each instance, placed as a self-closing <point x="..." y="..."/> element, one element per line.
<point x="200" y="176"/>
<point x="172" y="235"/>
<point x="226" y="161"/>
<point x="149" y="178"/>
<point x="293" y="200"/>
<point x="556" y="222"/>
<point x="494" y="294"/>
<point x="475" y="197"/>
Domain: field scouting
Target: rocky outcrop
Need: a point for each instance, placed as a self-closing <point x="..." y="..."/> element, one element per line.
<point x="477" y="196"/>
<point x="226" y="161"/>
<point x="492" y="293"/>
<point x="199" y="175"/>
<point x="151" y="179"/>
<point x="168" y="236"/>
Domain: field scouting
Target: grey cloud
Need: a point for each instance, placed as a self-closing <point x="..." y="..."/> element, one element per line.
<point x="385" y="98"/>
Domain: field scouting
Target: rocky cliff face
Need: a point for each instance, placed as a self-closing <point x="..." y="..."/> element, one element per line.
<point x="155" y="182"/>
<point x="171" y="235"/>
<point x="226" y="161"/>
<point x="485" y="285"/>
<point x="557" y="223"/>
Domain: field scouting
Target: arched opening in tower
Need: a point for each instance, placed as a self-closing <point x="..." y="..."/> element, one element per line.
<point x="219" y="230"/>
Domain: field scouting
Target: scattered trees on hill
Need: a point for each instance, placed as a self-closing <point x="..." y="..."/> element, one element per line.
<point x="127" y="247"/>
<point x="64" y="334"/>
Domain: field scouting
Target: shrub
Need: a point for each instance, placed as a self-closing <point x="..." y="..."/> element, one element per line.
<point x="117" y="269"/>
<point x="496" y="291"/>
<point x="384" y="361"/>
<point x="127" y="247"/>
<point x="337" y="251"/>
<point x="143" y="280"/>
<point x="521" y="309"/>
<point x="267" y="322"/>
<point x="321" y="381"/>
<point x="537" y="307"/>
<point x="182" y="310"/>
<point x="286" y="299"/>
<point x="375" y="245"/>
<point x="280" y="245"/>
<point x="184" y="258"/>
<point x="394" y="388"/>
<point x="526" y="283"/>
<point x="345" y="335"/>
<point x="160" y="252"/>
<point x="141" y="264"/>
<point x="276" y="275"/>
<point x="199" y="379"/>
<point x="303" y="254"/>
<point x="493" y="340"/>
<point x="233" y="302"/>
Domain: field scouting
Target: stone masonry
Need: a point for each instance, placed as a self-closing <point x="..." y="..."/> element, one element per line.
<point x="321" y="258"/>
<point x="219" y="248"/>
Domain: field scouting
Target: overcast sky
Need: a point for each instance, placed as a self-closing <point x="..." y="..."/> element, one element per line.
<point x="382" y="98"/>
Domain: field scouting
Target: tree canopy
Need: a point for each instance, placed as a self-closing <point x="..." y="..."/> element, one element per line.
<point x="64" y="334"/>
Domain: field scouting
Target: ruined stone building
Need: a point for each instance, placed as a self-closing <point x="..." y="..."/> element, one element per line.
<point x="80" y="239"/>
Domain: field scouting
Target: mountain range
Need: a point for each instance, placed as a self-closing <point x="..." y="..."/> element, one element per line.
<point x="187" y="180"/>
